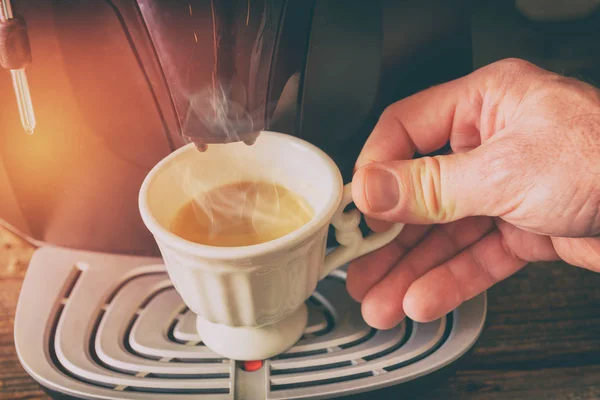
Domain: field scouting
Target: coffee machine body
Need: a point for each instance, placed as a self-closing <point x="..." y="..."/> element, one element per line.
<point x="117" y="85"/>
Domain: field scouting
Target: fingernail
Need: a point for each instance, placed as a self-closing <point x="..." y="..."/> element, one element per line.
<point x="381" y="190"/>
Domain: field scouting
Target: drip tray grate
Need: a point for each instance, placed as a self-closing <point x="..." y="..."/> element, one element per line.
<point x="93" y="326"/>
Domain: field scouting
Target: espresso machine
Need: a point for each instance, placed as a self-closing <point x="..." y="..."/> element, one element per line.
<point x="95" y="93"/>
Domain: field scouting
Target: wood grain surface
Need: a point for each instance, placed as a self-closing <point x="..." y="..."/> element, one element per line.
<point x="541" y="341"/>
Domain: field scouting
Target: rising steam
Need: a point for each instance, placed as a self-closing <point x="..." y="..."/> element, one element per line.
<point x="215" y="117"/>
<point x="263" y="206"/>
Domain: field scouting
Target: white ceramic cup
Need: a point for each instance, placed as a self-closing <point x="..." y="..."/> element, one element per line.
<point x="250" y="299"/>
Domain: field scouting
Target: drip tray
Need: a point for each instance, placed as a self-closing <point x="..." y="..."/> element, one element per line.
<point x="99" y="326"/>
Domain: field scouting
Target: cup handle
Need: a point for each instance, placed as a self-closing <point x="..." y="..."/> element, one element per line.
<point x="349" y="236"/>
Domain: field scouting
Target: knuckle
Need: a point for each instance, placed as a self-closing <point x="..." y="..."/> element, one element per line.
<point x="388" y="111"/>
<point x="386" y="115"/>
<point x="515" y="65"/>
<point x="389" y="119"/>
<point x="514" y="72"/>
<point x="426" y="184"/>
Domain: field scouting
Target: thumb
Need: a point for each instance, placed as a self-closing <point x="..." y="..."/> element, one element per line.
<point x="429" y="190"/>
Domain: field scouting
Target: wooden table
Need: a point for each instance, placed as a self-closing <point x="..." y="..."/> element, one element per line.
<point x="542" y="339"/>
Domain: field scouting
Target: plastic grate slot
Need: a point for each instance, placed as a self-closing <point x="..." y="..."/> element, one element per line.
<point x="358" y="341"/>
<point x="338" y="276"/>
<point x="307" y="353"/>
<point x="395" y="347"/>
<point x="188" y="376"/>
<point x="120" y="286"/>
<point x="321" y="382"/>
<point x="52" y="349"/>
<point x="69" y="285"/>
<point x="148" y="299"/>
<point x="311" y="368"/>
<point x="330" y="323"/>
<point x="128" y="347"/>
<point x="56" y="361"/>
<point x="176" y="391"/>
<point x="198" y="360"/>
<point x="94" y="355"/>
<point x="314" y="301"/>
<point x="72" y="280"/>
<point x="171" y="334"/>
<point x="184" y="309"/>
<point x="447" y="330"/>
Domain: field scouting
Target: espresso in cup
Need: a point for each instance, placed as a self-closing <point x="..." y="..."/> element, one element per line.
<point x="244" y="213"/>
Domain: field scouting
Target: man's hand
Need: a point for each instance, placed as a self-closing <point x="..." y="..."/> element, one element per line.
<point x="522" y="184"/>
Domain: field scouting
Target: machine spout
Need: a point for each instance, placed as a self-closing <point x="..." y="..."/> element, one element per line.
<point x="202" y="143"/>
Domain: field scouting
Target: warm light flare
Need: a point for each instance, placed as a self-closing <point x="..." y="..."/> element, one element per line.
<point x="19" y="79"/>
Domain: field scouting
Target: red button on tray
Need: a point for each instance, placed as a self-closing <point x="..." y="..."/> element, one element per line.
<point x="251" y="366"/>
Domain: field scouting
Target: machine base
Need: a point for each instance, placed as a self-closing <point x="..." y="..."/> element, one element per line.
<point x="99" y="326"/>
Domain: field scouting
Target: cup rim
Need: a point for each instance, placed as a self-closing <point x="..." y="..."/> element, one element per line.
<point x="298" y="236"/>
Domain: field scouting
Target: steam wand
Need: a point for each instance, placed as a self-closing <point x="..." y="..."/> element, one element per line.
<point x="15" y="54"/>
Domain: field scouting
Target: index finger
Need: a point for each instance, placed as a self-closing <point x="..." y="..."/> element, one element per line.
<point x="423" y="122"/>
<point x="463" y="111"/>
